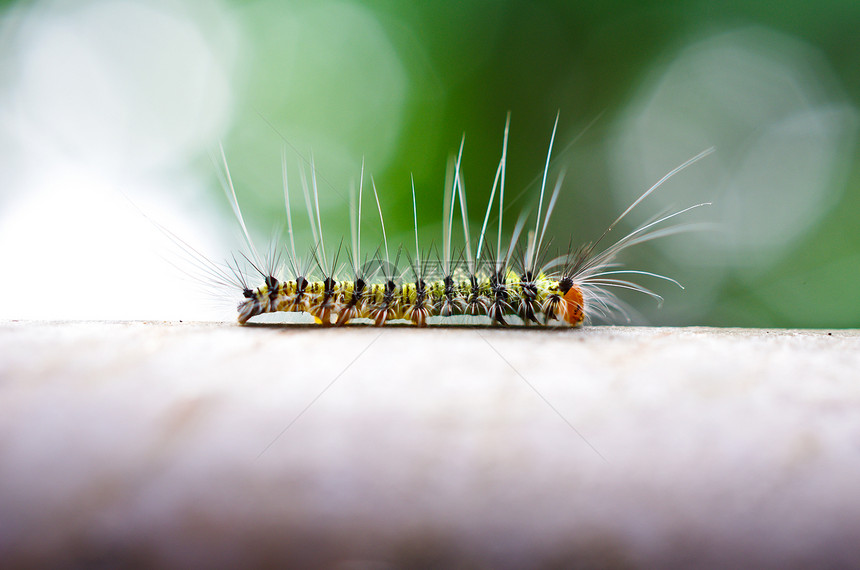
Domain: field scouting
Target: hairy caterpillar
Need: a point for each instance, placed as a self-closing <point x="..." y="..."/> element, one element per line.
<point x="515" y="282"/>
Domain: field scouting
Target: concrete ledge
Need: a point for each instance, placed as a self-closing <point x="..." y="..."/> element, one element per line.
<point x="184" y="443"/>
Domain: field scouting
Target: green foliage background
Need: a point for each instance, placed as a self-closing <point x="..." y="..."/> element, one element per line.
<point x="468" y="63"/>
<point x="399" y="83"/>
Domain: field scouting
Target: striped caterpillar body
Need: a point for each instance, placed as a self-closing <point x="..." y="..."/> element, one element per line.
<point x="534" y="299"/>
<point x="568" y="290"/>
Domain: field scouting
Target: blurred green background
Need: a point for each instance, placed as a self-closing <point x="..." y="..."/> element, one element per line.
<point x="106" y="100"/>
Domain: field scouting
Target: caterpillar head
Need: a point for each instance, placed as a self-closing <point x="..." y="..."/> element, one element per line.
<point x="570" y="308"/>
<point x="567" y="302"/>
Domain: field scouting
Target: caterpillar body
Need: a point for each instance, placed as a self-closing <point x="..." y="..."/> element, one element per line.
<point x="516" y="284"/>
<point x="533" y="299"/>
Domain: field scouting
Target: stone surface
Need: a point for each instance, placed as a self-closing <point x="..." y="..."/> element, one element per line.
<point x="176" y="443"/>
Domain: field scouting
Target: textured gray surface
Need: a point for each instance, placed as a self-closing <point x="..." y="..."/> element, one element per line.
<point x="172" y="443"/>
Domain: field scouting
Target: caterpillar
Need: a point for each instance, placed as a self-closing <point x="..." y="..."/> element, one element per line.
<point x="518" y="282"/>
